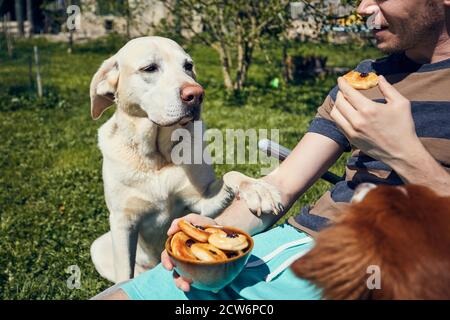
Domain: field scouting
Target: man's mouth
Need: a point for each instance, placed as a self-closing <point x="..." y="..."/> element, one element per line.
<point x="379" y="30"/>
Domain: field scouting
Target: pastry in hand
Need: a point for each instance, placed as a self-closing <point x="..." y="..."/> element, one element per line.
<point x="361" y="81"/>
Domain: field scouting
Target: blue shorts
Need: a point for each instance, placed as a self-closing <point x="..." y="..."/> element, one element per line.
<point x="266" y="276"/>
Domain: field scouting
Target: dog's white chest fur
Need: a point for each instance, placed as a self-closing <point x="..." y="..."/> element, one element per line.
<point x="136" y="165"/>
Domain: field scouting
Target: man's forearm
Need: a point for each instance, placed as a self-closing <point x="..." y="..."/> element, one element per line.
<point x="310" y="159"/>
<point x="417" y="166"/>
<point x="239" y="216"/>
<point x="313" y="155"/>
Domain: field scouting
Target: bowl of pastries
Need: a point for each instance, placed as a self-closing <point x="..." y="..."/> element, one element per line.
<point x="212" y="256"/>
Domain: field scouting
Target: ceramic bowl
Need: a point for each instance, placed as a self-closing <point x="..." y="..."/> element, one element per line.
<point x="212" y="276"/>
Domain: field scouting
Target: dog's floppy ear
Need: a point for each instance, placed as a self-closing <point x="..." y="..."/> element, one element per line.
<point x="103" y="87"/>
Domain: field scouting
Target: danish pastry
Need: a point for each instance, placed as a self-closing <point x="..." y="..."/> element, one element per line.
<point x="181" y="246"/>
<point x="195" y="232"/>
<point x="215" y="230"/>
<point x="208" y="253"/>
<point x="229" y="241"/>
<point x="361" y="81"/>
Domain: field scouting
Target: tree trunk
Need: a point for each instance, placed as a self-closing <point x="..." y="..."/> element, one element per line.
<point x="240" y="64"/>
<point x="230" y="59"/>
<point x="70" y="42"/>
<point x="288" y="76"/>
<point x="245" y="55"/>
<point x="19" y="16"/>
<point x="9" y="40"/>
<point x="70" y="39"/>
<point x="227" y="80"/>
<point x="38" y="72"/>
<point x="30" y="17"/>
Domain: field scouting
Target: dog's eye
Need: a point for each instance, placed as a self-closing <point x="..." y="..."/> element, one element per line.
<point x="151" y="68"/>
<point x="188" y="66"/>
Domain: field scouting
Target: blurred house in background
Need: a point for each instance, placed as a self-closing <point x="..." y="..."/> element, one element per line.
<point x="141" y="17"/>
<point x="312" y="18"/>
<point x="22" y="17"/>
<point x="97" y="18"/>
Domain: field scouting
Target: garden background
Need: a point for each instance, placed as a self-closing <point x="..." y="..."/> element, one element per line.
<point x="51" y="197"/>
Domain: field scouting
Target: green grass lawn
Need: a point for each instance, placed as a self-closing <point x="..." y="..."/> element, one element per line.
<point x="51" y="198"/>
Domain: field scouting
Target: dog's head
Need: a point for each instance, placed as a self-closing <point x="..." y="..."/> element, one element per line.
<point x="400" y="235"/>
<point x="149" y="77"/>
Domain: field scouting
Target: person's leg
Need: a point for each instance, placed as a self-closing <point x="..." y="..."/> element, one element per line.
<point x="158" y="284"/>
<point x="112" y="293"/>
<point x="153" y="284"/>
<point x="270" y="277"/>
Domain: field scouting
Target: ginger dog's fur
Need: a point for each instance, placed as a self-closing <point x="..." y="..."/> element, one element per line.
<point x="403" y="230"/>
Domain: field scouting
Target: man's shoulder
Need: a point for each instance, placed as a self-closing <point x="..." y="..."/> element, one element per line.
<point x="374" y="65"/>
<point x="365" y="66"/>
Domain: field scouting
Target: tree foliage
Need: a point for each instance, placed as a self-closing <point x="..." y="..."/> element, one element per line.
<point x="233" y="28"/>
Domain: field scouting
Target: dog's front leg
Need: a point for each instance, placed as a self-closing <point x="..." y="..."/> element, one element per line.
<point x="259" y="196"/>
<point x="214" y="200"/>
<point x="124" y="239"/>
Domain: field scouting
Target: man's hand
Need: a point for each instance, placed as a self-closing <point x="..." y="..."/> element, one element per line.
<point x="180" y="282"/>
<point x="384" y="131"/>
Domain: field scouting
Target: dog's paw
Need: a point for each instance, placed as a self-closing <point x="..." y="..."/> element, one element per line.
<point x="261" y="197"/>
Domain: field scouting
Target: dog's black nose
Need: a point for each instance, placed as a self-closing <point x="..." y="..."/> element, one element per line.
<point x="192" y="94"/>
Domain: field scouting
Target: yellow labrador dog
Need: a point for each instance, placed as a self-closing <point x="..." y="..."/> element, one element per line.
<point x="152" y="82"/>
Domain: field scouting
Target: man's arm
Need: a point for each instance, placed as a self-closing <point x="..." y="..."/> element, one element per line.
<point x="386" y="132"/>
<point x="417" y="166"/>
<point x="310" y="159"/>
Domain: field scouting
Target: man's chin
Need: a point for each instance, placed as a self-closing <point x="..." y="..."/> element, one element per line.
<point x="386" y="42"/>
<point x="387" y="47"/>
